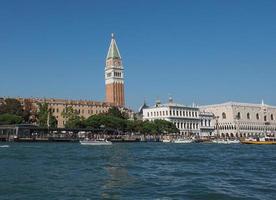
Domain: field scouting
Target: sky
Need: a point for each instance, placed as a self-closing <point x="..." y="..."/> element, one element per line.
<point x="197" y="51"/>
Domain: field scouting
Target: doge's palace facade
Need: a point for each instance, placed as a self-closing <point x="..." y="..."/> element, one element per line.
<point x="235" y="119"/>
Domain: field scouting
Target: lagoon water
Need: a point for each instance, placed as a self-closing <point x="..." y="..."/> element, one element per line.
<point x="137" y="171"/>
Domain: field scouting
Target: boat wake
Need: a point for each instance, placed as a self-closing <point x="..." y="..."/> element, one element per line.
<point x="4" y="146"/>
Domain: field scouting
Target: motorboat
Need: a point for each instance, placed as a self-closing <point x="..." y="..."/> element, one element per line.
<point x="166" y="140"/>
<point x="95" y="142"/>
<point x="182" y="141"/>
<point x="226" y="141"/>
<point x="259" y="140"/>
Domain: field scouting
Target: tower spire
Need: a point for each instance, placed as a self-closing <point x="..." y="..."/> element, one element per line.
<point x="113" y="51"/>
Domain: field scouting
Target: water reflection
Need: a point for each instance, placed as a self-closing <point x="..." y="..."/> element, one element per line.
<point x="118" y="177"/>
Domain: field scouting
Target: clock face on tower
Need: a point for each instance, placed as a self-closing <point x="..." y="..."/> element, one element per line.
<point x="117" y="63"/>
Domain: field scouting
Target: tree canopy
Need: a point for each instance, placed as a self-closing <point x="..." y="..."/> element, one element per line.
<point x="115" y="112"/>
<point x="28" y="113"/>
<point x="11" y="106"/>
<point x="72" y="118"/>
<point x="97" y="121"/>
<point x="145" y="127"/>
<point x="14" y="107"/>
<point x="45" y="116"/>
<point x="10" y="119"/>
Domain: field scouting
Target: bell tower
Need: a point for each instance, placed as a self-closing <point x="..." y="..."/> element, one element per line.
<point x="114" y="75"/>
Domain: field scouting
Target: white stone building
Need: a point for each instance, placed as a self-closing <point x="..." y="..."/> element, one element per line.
<point x="243" y="119"/>
<point x="207" y="123"/>
<point x="185" y="118"/>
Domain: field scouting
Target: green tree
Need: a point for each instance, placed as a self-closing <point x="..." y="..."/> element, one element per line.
<point x="28" y="112"/>
<point x="115" y="112"/>
<point x="10" y="119"/>
<point x="11" y="106"/>
<point x="163" y="126"/>
<point x="135" y="126"/>
<point x="45" y="116"/>
<point x="155" y="127"/>
<point x="149" y="127"/>
<point x="130" y="126"/>
<point x="96" y="121"/>
<point x="72" y="118"/>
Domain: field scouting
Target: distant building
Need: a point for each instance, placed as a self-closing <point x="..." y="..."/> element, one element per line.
<point x="243" y="119"/>
<point x="114" y="75"/>
<point x="114" y="82"/>
<point x="139" y="115"/>
<point x="185" y="118"/>
<point x="84" y="108"/>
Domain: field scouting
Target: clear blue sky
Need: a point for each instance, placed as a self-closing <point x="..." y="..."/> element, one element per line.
<point x="197" y="51"/>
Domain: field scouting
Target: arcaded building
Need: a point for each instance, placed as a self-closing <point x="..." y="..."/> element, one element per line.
<point x="190" y="120"/>
<point x="185" y="118"/>
<point x="235" y="119"/>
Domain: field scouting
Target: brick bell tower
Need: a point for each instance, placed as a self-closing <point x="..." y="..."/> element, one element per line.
<point x="114" y="75"/>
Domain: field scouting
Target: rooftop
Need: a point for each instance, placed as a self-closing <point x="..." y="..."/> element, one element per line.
<point x="231" y="103"/>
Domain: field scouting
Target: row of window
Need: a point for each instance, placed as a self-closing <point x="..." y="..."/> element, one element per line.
<point x="117" y="74"/>
<point x="79" y="111"/>
<point x="241" y="134"/>
<point x="78" y="105"/>
<point x="55" y="110"/>
<point x="206" y="122"/>
<point x="246" y="127"/>
<point x="181" y="125"/>
<point x="248" y="116"/>
<point x="178" y="113"/>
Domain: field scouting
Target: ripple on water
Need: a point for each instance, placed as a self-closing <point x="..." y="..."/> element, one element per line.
<point x="137" y="171"/>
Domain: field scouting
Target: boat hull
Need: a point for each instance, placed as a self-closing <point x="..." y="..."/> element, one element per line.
<point x="258" y="142"/>
<point x="182" y="141"/>
<point x="226" y="141"/>
<point x="95" y="143"/>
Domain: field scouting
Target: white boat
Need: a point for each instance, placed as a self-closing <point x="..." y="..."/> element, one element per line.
<point x="166" y="140"/>
<point x="234" y="141"/>
<point x="95" y="142"/>
<point x="182" y="141"/>
<point x="225" y="141"/>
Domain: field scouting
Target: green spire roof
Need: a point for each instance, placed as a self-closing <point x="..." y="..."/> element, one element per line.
<point x="113" y="51"/>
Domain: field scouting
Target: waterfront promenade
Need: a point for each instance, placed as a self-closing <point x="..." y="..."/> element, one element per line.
<point x="30" y="133"/>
